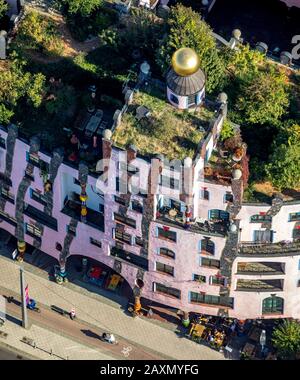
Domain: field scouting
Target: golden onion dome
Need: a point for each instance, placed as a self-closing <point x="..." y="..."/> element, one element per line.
<point x="185" y="61"/>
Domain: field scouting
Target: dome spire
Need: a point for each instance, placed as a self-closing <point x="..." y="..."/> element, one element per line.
<point x="185" y="61"/>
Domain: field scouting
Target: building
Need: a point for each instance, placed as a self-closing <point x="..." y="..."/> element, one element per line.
<point x="176" y="229"/>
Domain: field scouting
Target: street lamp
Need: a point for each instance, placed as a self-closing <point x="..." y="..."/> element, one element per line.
<point x="262" y="339"/>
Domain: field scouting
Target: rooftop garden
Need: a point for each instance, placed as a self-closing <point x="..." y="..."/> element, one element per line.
<point x="163" y="129"/>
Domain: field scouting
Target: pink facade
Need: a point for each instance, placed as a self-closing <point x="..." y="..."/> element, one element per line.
<point x="292" y="3"/>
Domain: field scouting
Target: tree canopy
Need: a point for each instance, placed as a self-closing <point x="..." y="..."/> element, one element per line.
<point x="85" y="7"/>
<point x="283" y="168"/>
<point x="286" y="339"/>
<point x="17" y="84"/>
<point x="186" y="29"/>
<point x="3" y="7"/>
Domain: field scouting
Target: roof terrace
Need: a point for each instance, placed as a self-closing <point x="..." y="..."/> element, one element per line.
<point x="154" y="126"/>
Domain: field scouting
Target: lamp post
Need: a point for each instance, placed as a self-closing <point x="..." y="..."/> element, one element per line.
<point x="23" y="300"/>
<point x="262" y="339"/>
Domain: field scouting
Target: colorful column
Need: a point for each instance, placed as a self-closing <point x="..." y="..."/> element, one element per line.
<point x="21" y="250"/>
<point x="83" y="199"/>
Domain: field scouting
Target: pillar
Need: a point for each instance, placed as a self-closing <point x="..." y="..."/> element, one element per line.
<point x="21" y="250"/>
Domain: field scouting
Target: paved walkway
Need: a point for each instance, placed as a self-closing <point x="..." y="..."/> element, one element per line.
<point x="106" y="317"/>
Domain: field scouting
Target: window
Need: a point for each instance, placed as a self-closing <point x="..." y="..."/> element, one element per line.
<point x="5" y="194"/>
<point x="296" y="231"/>
<point x="165" y="233"/>
<point x="172" y="292"/>
<point x="129" y="257"/>
<point x="95" y="242"/>
<point x="207" y="246"/>
<point x="76" y="181"/>
<point x="170" y="182"/>
<point x="29" y="174"/>
<point x="211" y="300"/>
<point x="33" y="231"/>
<point x="120" y="200"/>
<point x="174" y="99"/>
<point x="260" y="218"/>
<point x="167" y="253"/>
<point x="35" y="160"/>
<point x="121" y="186"/>
<point x="40" y="217"/>
<point x="38" y="197"/>
<point x="294" y="216"/>
<point x="218" y="280"/>
<point x="137" y="206"/>
<point x="139" y="241"/>
<point x="218" y="214"/>
<point x="122" y="236"/>
<point x="125" y="220"/>
<point x="210" y="263"/>
<point x="2" y="143"/>
<point x="228" y="197"/>
<point x="204" y="194"/>
<point x="199" y="278"/>
<point x="192" y="99"/>
<point x="272" y="305"/>
<point x="128" y="167"/>
<point x="164" y="268"/>
<point x="7" y="218"/>
<point x="263" y="236"/>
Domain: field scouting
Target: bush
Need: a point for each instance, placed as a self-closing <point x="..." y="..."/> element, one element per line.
<point x="286" y="339"/>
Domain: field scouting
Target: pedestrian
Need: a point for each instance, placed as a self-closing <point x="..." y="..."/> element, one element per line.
<point x="72" y="313"/>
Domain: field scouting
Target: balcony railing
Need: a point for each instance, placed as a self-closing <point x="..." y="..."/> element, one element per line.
<point x="260" y="249"/>
<point x="176" y="218"/>
<point x="94" y="219"/>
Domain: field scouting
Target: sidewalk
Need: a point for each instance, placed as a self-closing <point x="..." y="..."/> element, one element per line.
<point x="109" y="318"/>
<point x="62" y="348"/>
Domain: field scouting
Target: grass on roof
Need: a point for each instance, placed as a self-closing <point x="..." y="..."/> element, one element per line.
<point x="168" y="131"/>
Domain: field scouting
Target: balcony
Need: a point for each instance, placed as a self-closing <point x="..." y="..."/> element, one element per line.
<point x="282" y="248"/>
<point x="94" y="219"/>
<point x="261" y="268"/>
<point x="175" y="218"/>
<point x="259" y="285"/>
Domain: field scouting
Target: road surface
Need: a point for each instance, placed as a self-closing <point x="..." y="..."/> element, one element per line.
<point x="82" y="333"/>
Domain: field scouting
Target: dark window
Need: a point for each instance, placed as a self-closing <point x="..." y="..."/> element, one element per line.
<point x="192" y="99"/>
<point x="211" y="300"/>
<point x="40" y="217"/>
<point x="170" y="182"/>
<point x="204" y="194"/>
<point x="5" y="179"/>
<point x="165" y="233"/>
<point x="218" y="214"/>
<point x="120" y="200"/>
<point x="5" y="194"/>
<point x="38" y="197"/>
<point x="207" y="246"/>
<point x="167" y="252"/>
<point x="167" y="290"/>
<point x="260" y="218"/>
<point x="294" y="216"/>
<point x="272" y="305"/>
<point x="296" y="232"/>
<point x="124" y="237"/>
<point x="228" y="197"/>
<point x="210" y="263"/>
<point x="33" y="231"/>
<point x="2" y="143"/>
<point x="218" y="280"/>
<point x="137" y="206"/>
<point x="35" y="160"/>
<point x="199" y="278"/>
<point x="128" y="168"/>
<point x="139" y="241"/>
<point x="125" y="220"/>
<point x="76" y="182"/>
<point x="129" y="257"/>
<point x="263" y="236"/>
<point x="95" y="242"/>
<point x="121" y="187"/>
<point x="165" y="269"/>
<point x="7" y="218"/>
<point x="174" y="99"/>
<point x="28" y="174"/>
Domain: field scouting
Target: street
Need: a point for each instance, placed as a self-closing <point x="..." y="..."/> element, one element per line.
<point x="80" y="331"/>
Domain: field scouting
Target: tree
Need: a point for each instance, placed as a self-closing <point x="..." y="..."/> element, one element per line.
<point x="186" y="29"/>
<point x="286" y="339"/>
<point x="3" y="7"/>
<point x="284" y="167"/>
<point x="85" y="7"/>
<point x="17" y="84"/>
<point x="264" y="97"/>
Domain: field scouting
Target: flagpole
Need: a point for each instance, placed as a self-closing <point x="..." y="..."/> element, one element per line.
<point x="23" y="300"/>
